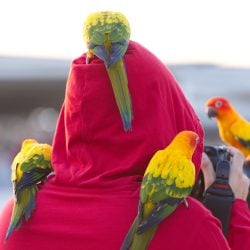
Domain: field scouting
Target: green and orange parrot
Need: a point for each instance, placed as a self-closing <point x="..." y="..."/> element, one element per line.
<point x="30" y="167"/>
<point x="233" y="129"/>
<point x="107" y="36"/>
<point x="168" y="180"/>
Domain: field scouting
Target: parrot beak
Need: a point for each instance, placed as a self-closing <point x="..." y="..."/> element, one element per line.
<point x="211" y="112"/>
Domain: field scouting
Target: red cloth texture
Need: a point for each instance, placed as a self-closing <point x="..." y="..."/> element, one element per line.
<point x="91" y="201"/>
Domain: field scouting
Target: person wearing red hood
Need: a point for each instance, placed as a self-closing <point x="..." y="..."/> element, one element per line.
<point x="91" y="201"/>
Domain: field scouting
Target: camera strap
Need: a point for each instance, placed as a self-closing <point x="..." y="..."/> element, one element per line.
<point x="219" y="196"/>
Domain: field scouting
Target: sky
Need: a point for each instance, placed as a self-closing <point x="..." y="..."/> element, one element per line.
<point x="177" y="31"/>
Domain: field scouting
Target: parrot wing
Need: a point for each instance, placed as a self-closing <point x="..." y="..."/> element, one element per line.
<point x="118" y="50"/>
<point x="166" y="186"/>
<point x="241" y="131"/>
<point x="34" y="170"/>
<point x="101" y="52"/>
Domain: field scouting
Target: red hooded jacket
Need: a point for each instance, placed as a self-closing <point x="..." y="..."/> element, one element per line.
<point x="91" y="201"/>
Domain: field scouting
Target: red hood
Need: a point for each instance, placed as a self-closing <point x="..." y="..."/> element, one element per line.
<point x="93" y="198"/>
<point x="90" y="145"/>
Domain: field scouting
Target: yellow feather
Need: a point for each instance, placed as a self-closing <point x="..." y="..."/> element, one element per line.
<point x="29" y="148"/>
<point x="103" y="17"/>
<point x="174" y="164"/>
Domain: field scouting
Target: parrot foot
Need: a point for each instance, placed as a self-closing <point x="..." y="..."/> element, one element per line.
<point x="185" y="203"/>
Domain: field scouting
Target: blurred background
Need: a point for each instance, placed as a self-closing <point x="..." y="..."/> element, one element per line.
<point x="205" y="44"/>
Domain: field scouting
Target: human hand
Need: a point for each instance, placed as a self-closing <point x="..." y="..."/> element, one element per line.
<point x="238" y="181"/>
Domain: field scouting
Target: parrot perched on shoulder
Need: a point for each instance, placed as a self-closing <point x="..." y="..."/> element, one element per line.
<point x="233" y="128"/>
<point x="107" y="36"/>
<point x="30" y="167"/>
<point x="168" y="180"/>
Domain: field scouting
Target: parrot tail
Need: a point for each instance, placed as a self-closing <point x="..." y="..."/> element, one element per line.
<point x="118" y="78"/>
<point x="135" y="241"/>
<point x="24" y="206"/>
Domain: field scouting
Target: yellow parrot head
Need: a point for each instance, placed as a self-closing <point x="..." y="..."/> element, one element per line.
<point x="107" y="34"/>
<point x="186" y="141"/>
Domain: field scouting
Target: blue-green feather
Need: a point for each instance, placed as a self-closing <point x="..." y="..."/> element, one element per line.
<point x="23" y="206"/>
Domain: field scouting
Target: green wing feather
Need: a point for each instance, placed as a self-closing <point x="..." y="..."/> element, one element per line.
<point x="164" y="197"/>
<point x="244" y="143"/>
<point x="23" y="207"/>
<point x="35" y="170"/>
<point x="134" y="241"/>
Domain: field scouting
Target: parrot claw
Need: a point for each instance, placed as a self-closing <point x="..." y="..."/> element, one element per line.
<point x="51" y="174"/>
<point x="185" y="203"/>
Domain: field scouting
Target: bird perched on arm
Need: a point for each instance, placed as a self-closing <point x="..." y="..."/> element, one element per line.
<point x="233" y="128"/>
<point x="167" y="181"/>
<point x="107" y="36"/>
<point x="30" y="167"/>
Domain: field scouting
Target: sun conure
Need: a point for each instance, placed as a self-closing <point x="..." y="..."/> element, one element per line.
<point x="233" y="128"/>
<point x="107" y="36"/>
<point x="168" y="180"/>
<point x="30" y="167"/>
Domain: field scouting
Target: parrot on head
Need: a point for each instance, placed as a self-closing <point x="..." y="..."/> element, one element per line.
<point x="233" y="128"/>
<point x="107" y="36"/>
<point x="168" y="180"/>
<point x="30" y="167"/>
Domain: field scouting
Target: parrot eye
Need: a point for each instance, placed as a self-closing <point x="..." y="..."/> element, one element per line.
<point x="218" y="104"/>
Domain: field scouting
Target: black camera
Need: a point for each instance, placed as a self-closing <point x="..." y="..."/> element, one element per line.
<point x="219" y="196"/>
<point x="217" y="155"/>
